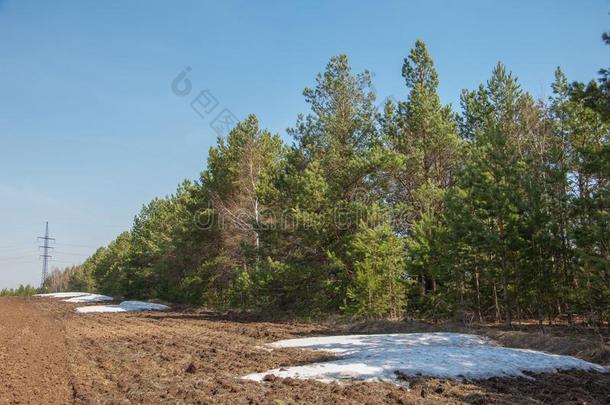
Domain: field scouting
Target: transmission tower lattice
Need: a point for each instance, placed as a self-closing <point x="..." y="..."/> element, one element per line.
<point x="45" y="253"/>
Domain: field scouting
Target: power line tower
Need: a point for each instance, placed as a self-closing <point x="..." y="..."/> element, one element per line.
<point x="45" y="255"/>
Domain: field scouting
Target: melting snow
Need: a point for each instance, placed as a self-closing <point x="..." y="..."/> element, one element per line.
<point x="442" y="355"/>
<point x="125" y="306"/>
<point x="89" y="298"/>
<point x="62" y="295"/>
<point x="76" y="296"/>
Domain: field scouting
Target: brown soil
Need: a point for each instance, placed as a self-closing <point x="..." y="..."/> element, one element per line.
<point x="33" y="363"/>
<point x="49" y="354"/>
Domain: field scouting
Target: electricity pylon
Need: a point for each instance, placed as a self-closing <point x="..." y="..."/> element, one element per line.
<point x="45" y="255"/>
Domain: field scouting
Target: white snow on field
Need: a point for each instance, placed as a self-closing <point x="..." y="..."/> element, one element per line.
<point x="125" y="306"/>
<point x="442" y="355"/>
<point x="89" y="298"/>
<point x="62" y="295"/>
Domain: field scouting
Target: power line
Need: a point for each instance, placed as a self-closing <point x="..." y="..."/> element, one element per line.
<point x="75" y="262"/>
<point x="15" y="257"/>
<point x="15" y="249"/>
<point x="77" y="245"/>
<point x="17" y="261"/>
<point x="45" y="256"/>
<point x="71" y="253"/>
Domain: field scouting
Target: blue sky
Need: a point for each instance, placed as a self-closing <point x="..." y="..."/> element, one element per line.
<point x="90" y="129"/>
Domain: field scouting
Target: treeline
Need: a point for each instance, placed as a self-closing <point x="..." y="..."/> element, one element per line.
<point x="71" y="278"/>
<point x="500" y="211"/>
<point x="21" y="291"/>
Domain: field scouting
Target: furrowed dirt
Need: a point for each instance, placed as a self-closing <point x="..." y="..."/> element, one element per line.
<point x="33" y="363"/>
<point x="49" y="354"/>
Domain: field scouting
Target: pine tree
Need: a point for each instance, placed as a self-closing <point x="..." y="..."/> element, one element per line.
<point x="240" y="171"/>
<point x="323" y="193"/>
<point x="584" y="135"/>
<point x="377" y="288"/>
<point x="423" y="140"/>
<point x="490" y="179"/>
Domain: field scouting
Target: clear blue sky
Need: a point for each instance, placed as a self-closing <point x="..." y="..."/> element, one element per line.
<point x="90" y="129"/>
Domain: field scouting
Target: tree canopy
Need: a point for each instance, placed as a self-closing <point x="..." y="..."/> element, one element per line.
<point x="498" y="211"/>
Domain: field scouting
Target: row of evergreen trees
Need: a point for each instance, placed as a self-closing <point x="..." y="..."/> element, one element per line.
<point x="21" y="291"/>
<point x="501" y="211"/>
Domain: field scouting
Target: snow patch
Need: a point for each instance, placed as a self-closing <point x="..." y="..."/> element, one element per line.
<point x="442" y="355"/>
<point x="62" y="295"/>
<point x="125" y="306"/>
<point x="89" y="298"/>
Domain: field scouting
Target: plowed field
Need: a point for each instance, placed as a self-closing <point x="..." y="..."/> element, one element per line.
<point x="51" y="355"/>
